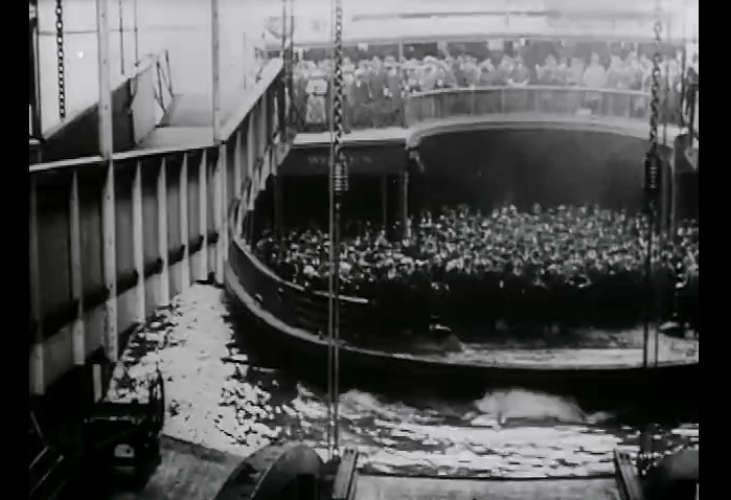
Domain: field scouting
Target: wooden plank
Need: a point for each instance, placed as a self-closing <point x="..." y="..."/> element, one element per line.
<point x="628" y="483"/>
<point x="77" y="286"/>
<point x="138" y="235"/>
<point x="405" y="488"/>
<point x="345" y="478"/>
<point x="162" y="234"/>
<point x="202" y="267"/>
<point x="36" y="372"/>
<point x="184" y="226"/>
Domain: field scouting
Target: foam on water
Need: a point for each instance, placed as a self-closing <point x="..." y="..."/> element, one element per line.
<point x="523" y="404"/>
<point x="219" y="398"/>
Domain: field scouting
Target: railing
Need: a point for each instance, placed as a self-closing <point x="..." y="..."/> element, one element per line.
<point x="410" y="109"/>
<point x="292" y="303"/>
<point x="109" y="241"/>
<point x="480" y="101"/>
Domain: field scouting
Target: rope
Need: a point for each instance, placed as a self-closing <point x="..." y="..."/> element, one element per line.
<point x="60" y="61"/>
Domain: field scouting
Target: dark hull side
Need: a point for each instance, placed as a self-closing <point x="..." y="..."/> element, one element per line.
<point x="306" y="355"/>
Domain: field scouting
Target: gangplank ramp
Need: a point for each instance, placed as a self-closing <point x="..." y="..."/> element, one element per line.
<point x="402" y="488"/>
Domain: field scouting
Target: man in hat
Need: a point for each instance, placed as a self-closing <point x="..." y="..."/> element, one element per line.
<point x="317" y="107"/>
<point x="378" y="82"/>
<point x="361" y="95"/>
<point x="428" y="75"/>
<point x="301" y="74"/>
<point x="595" y="77"/>
<point x="348" y="81"/>
<point x="395" y="93"/>
<point x="517" y="75"/>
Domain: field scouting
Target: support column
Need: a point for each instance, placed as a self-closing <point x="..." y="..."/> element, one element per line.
<point x="220" y="161"/>
<point x="218" y="203"/>
<point x="36" y="372"/>
<point x="404" y="184"/>
<point x="77" y="285"/>
<point x="238" y="168"/>
<point x="278" y="211"/>
<point x="238" y="163"/>
<point x="673" y="195"/>
<point x="106" y="145"/>
<point x="184" y="236"/>
<point x="384" y="200"/>
<point x="250" y="174"/>
<point x="138" y="234"/>
<point x="162" y="234"/>
<point x="202" y="267"/>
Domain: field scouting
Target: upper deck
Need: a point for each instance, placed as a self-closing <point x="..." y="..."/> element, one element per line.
<point x="472" y="21"/>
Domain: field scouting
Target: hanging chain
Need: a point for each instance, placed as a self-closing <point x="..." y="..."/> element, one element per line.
<point x="60" y="61"/>
<point x="338" y="186"/>
<point x="653" y="152"/>
<point x="341" y="167"/>
<point x="653" y="172"/>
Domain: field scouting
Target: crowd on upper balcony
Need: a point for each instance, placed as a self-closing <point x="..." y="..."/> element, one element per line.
<point x="376" y="88"/>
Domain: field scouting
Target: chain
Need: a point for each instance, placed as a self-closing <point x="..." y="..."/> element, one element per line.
<point x="341" y="169"/>
<point x="655" y="90"/>
<point x="652" y="189"/>
<point x="338" y="186"/>
<point x="60" y="61"/>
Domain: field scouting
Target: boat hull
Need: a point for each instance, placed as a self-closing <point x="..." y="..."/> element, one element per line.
<point x="260" y="301"/>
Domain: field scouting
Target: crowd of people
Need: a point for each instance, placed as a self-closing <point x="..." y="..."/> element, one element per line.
<point x="552" y="269"/>
<point x="377" y="89"/>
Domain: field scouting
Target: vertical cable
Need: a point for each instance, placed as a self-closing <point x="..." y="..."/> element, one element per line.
<point x="137" y="41"/>
<point x="121" y="37"/>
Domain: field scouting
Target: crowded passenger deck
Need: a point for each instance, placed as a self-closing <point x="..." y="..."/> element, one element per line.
<point x="556" y="267"/>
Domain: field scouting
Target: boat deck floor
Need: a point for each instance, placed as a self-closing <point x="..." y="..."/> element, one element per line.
<point x="188" y="471"/>
<point x="194" y="472"/>
<point x="401" y="488"/>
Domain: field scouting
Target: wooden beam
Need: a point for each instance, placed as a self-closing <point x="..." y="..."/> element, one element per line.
<point x="106" y="146"/>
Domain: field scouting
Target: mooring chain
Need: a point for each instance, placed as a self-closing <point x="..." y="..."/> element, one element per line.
<point x="647" y="456"/>
<point x="338" y="185"/>
<point x="341" y="169"/>
<point x="60" y="61"/>
<point x="653" y="179"/>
